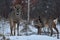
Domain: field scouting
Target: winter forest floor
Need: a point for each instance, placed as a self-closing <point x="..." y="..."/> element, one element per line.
<point x="5" y="29"/>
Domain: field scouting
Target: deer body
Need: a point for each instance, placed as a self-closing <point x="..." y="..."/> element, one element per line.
<point x="50" y="23"/>
<point x="14" y="18"/>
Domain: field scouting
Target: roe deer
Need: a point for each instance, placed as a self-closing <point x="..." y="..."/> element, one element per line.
<point x="50" y="23"/>
<point x="14" y="18"/>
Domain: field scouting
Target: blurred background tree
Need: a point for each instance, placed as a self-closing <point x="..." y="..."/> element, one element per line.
<point x="44" y="8"/>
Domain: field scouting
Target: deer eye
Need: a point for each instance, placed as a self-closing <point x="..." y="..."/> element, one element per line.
<point x="15" y="6"/>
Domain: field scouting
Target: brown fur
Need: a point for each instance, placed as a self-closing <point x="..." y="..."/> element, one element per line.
<point x="48" y="23"/>
<point x="14" y="18"/>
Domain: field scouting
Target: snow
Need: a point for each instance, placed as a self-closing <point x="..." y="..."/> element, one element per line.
<point x="4" y="27"/>
<point x="33" y="33"/>
<point x="32" y="37"/>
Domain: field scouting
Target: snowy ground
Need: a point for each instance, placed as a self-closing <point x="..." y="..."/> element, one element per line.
<point x="32" y="37"/>
<point x="5" y="29"/>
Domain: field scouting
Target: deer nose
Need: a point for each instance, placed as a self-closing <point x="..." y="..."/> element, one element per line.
<point x="17" y="14"/>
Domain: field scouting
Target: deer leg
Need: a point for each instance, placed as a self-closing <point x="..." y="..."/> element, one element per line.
<point x="11" y="26"/>
<point x="18" y="29"/>
<point x="51" y="31"/>
<point x="57" y="32"/>
<point x="48" y="31"/>
<point x="14" y="28"/>
<point x="11" y="29"/>
<point x="50" y="26"/>
<point x="39" y="30"/>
